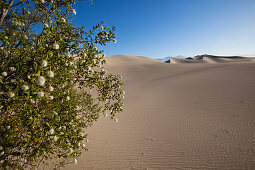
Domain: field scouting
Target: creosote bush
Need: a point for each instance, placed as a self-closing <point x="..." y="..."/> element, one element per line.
<point x="52" y="83"/>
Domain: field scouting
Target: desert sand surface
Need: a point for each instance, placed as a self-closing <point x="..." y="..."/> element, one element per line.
<point x="177" y="116"/>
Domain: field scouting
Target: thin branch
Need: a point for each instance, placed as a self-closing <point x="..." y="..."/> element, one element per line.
<point x="17" y="4"/>
<point x="26" y="29"/>
<point x="5" y="12"/>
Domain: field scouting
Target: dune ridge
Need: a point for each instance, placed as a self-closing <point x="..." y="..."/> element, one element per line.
<point x="210" y="59"/>
<point x="177" y="116"/>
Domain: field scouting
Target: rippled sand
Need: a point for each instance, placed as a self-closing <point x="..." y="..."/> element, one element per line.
<point x="177" y="116"/>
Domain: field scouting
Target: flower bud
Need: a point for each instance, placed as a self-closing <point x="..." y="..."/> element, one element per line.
<point x="12" y="69"/>
<point x="24" y="87"/>
<point x="40" y="94"/>
<point x="4" y="74"/>
<point x="55" y="46"/>
<point x="51" y="97"/>
<point x="74" y="12"/>
<point x="51" y="88"/>
<point x="116" y="120"/>
<point x="41" y="80"/>
<point x="10" y="94"/>
<point x="51" y="131"/>
<point x="50" y="73"/>
<point x="44" y="63"/>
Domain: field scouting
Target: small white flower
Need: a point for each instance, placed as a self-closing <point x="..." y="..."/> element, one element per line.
<point x="63" y="19"/>
<point x="6" y="37"/>
<point x="51" y="88"/>
<point x="44" y="63"/>
<point x="115" y="41"/>
<point x="1" y="48"/>
<point x="51" y="97"/>
<point x="55" y="113"/>
<point x="87" y="140"/>
<point x="29" y="77"/>
<point x="103" y="70"/>
<point x="55" y="46"/>
<point x="28" y="13"/>
<point x="55" y="138"/>
<point x="102" y="28"/>
<point x="25" y="36"/>
<point x="1" y="148"/>
<point x="2" y="153"/>
<point x="28" y="58"/>
<point x="43" y="1"/>
<point x="64" y="85"/>
<point x="84" y="145"/>
<point x="79" y="144"/>
<point x="68" y="54"/>
<point x="46" y="25"/>
<point x="51" y="131"/>
<point x="10" y="94"/>
<point x="67" y="98"/>
<point x="24" y="87"/>
<point x="41" y="80"/>
<point x="8" y="127"/>
<point x="74" y="12"/>
<point x="12" y="69"/>
<point x="40" y="94"/>
<point x="71" y="150"/>
<point x="94" y="61"/>
<point x="50" y="73"/>
<point x="75" y="161"/>
<point x="4" y="73"/>
<point x="116" y="120"/>
<point x="13" y="80"/>
<point x="32" y="101"/>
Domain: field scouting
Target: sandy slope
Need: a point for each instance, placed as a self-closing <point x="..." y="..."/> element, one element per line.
<point x="177" y="116"/>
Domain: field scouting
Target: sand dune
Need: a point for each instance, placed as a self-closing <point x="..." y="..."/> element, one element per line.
<point x="178" y="116"/>
<point x="213" y="59"/>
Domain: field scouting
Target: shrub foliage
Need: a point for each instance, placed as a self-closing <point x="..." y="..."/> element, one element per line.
<point x="52" y="84"/>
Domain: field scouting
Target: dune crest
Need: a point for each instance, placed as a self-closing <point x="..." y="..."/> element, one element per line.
<point x="210" y="59"/>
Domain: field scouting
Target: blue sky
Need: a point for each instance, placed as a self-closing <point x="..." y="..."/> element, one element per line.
<point x="160" y="28"/>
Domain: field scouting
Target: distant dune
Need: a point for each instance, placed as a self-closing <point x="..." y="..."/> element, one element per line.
<point x="178" y="116"/>
<point x="212" y="59"/>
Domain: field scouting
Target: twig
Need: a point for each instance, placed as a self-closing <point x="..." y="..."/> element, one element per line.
<point x="5" y="12"/>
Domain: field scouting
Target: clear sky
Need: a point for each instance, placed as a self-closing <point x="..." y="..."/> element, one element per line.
<point x="160" y="28"/>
